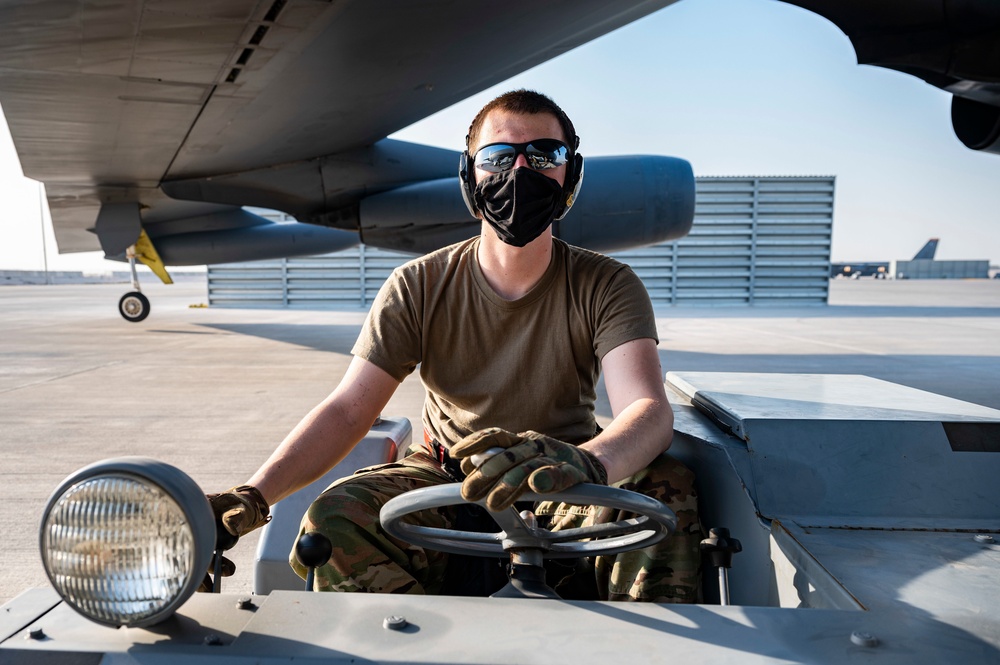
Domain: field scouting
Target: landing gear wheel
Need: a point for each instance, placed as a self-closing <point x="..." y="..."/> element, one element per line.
<point x="133" y="306"/>
<point x="655" y="522"/>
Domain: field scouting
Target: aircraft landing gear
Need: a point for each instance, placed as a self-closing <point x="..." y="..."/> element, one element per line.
<point x="133" y="306"/>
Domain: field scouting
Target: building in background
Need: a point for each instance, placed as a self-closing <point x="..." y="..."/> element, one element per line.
<point x="931" y="269"/>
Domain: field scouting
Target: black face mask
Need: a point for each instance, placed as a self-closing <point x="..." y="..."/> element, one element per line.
<point x="519" y="204"/>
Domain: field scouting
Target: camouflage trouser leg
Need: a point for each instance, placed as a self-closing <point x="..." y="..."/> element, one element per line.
<point x="365" y="558"/>
<point x="668" y="572"/>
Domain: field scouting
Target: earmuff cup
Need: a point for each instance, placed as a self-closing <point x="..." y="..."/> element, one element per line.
<point x="465" y="180"/>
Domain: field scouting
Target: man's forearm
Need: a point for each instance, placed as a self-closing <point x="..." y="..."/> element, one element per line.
<point x="325" y="436"/>
<point x="321" y="440"/>
<point x="634" y="438"/>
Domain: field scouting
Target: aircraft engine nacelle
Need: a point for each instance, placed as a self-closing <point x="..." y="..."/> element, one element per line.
<point x="239" y="235"/>
<point x="976" y="124"/>
<point x="627" y="201"/>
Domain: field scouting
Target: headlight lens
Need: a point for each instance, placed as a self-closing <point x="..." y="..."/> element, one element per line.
<point x="127" y="541"/>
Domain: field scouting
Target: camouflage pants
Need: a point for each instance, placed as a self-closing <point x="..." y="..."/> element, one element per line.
<point x="365" y="558"/>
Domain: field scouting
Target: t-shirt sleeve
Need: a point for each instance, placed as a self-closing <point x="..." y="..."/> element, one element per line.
<point x="625" y="313"/>
<point x="390" y="336"/>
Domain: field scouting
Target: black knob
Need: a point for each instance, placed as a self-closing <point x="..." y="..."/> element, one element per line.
<point x="720" y="547"/>
<point x="313" y="549"/>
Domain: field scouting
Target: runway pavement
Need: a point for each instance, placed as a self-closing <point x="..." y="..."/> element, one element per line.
<point x="214" y="390"/>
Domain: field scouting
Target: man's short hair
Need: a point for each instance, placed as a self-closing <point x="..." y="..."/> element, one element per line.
<point x="523" y="102"/>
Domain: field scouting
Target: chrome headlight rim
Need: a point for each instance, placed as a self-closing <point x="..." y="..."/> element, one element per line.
<point x="177" y="486"/>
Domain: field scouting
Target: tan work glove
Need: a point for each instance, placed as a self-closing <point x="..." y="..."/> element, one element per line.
<point x="529" y="461"/>
<point x="240" y="509"/>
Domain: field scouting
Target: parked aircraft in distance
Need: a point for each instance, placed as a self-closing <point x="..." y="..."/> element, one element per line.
<point x="153" y="132"/>
<point x="878" y="269"/>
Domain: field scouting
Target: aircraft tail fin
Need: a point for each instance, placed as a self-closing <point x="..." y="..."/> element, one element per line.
<point x="928" y="250"/>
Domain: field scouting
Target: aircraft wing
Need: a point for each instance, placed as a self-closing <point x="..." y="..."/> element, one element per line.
<point x="951" y="44"/>
<point x="168" y="116"/>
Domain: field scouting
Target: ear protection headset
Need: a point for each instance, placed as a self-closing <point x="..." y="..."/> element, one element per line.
<point x="571" y="186"/>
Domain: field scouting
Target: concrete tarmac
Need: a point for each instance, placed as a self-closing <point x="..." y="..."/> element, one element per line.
<point x="213" y="391"/>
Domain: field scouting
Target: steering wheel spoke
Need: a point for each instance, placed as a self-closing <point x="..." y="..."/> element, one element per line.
<point x="451" y="540"/>
<point x="609" y="530"/>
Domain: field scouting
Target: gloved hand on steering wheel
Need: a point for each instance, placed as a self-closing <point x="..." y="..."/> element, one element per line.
<point x="530" y="460"/>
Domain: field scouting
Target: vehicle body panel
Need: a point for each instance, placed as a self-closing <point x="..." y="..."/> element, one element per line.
<point x="818" y="581"/>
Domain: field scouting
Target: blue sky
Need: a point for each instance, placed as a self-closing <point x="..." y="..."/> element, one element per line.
<point x="737" y="87"/>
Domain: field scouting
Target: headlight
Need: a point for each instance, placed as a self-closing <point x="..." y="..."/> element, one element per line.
<point x="126" y="541"/>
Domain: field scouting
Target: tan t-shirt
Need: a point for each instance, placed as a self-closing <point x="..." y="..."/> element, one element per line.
<point x="531" y="363"/>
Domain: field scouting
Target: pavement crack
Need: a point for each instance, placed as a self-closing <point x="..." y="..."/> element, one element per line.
<point x="60" y="376"/>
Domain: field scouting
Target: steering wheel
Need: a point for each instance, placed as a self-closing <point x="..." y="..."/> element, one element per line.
<point x="519" y="532"/>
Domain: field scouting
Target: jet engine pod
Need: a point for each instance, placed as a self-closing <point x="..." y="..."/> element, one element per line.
<point x="630" y="201"/>
<point x="238" y="235"/>
<point x="417" y="218"/>
<point x="976" y="124"/>
<point x="625" y="202"/>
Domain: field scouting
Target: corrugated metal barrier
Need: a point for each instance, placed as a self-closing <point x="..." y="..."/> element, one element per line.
<point x="755" y="241"/>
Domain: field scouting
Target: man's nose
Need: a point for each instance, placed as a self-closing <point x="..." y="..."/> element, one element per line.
<point x="520" y="161"/>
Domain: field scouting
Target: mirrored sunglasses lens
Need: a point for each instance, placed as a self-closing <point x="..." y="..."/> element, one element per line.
<point x="546" y="154"/>
<point x="496" y="158"/>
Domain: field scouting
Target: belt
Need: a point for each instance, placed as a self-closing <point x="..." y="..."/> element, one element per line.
<point x="452" y="467"/>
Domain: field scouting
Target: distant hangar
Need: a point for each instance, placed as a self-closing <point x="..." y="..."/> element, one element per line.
<point x="921" y="266"/>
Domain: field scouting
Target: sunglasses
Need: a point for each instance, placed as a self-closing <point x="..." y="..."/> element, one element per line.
<point x="542" y="154"/>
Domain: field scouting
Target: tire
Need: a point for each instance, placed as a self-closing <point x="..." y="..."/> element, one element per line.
<point x="133" y="306"/>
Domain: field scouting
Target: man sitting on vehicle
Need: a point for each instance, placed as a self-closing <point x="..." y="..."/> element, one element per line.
<point x="511" y="331"/>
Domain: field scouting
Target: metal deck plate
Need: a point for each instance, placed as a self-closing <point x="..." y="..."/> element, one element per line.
<point x="948" y="576"/>
<point x="732" y="398"/>
<point x="303" y="627"/>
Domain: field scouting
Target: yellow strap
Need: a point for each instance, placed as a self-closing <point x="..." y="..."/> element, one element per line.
<point x="145" y="252"/>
